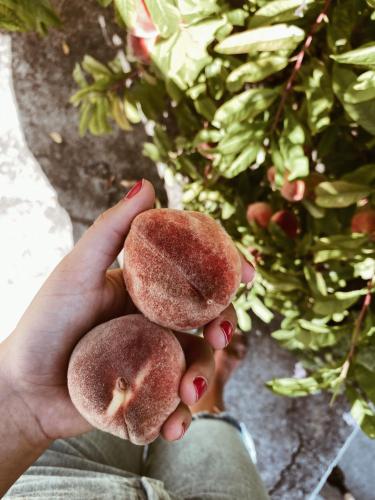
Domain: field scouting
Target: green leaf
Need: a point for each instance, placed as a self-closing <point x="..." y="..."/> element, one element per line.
<point x="24" y="15"/>
<point x="246" y="105"/>
<point x="193" y="11"/>
<point x="241" y="163"/>
<point x="151" y="151"/>
<point x="258" y="308"/>
<point x="127" y="11"/>
<point x="237" y="17"/>
<point x="79" y="76"/>
<point x="206" y="107"/>
<point x="104" y="3"/>
<point x="363" y="89"/>
<point x="364" y="174"/>
<point x="339" y="194"/>
<point x="234" y="143"/>
<point x="363" y="56"/>
<point x="255" y="71"/>
<point x="272" y="38"/>
<point x="131" y="111"/>
<point x="366" y="380"/>
<point x="281" y="281"/>
<point x="319" y="96"/>
<point x="288" y="153"/>
<point x="343" y="17"/>
<point x="328" y="306"/>
<point x="294" y="386"/>
<point x="85" y="117"/>
<point x="362" y="412"/>
<point x="165" y="16"/>
<point x="95" y="68"/>
<point x="366" y="357"/>
<point x="182" y="56"/>
<point x="363" y="112"/>
<point x="244" y="320"/>
<point x="118" y="113"/>
<point x="279" y="11"/>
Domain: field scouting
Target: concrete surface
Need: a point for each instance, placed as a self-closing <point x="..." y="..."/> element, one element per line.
<point x="87" y="173"/>
<point x="296" y="440"/>
<point x="35" y="230"/>
<point x="358" y="465"/>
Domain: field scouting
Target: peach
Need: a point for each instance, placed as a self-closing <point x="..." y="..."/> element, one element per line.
<point x="140" y="48"/>
<point x="259" y="212"/>
<point x="290" y="190"/>
<point x="364" y="222"/>
<point x="124" y="376"/>
<point x="287" y="221"/>
<point x="181" y="268"/>
<point x="293" y="190"/>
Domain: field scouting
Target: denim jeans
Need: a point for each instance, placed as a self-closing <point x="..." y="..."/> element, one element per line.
<point x="212" y="461"/>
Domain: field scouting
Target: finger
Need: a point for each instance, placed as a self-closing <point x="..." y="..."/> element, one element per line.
<point x="219" y="332"/>
<point x="116" y="300"/>
<point x="200" y="367"/>
<point x="177" y="423"/>
<point x="101" y="243"/>
<point x="248" y="271"/>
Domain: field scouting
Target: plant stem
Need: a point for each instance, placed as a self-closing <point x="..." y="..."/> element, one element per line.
<point x="298" y="64"/>
<point x="353" y="343"/>
<point x="357" y="330"/>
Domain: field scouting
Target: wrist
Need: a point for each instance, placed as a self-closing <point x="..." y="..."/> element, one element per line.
<point x="15" y="414"/>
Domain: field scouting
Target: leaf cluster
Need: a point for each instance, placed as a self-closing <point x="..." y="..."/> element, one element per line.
<point x="28" y="15"/>
<point x="237" y="87"/>
<point x="221" y="74"/>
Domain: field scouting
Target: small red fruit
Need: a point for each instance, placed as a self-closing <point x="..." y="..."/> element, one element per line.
<point x="290" y="190"/>
<point x="259" y="212"/>
<point x="364" y="222"/>
<point x="140" y="48"/>
<point x="293" y="190"/>
<point x="287" y="221"/>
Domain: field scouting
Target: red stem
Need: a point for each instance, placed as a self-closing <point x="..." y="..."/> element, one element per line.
<point x="298" y="64"/>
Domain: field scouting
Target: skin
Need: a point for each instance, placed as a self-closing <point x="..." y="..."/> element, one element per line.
<point x="81" y="292"/>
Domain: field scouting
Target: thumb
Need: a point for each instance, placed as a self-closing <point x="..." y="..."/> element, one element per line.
<point x="102" y="242"/>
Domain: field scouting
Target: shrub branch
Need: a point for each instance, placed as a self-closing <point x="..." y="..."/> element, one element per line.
<point x="298" y="63"/>
<point x="356" y="331"/>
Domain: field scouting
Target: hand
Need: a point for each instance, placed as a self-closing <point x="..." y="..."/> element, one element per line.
<point x="79" y="294"/>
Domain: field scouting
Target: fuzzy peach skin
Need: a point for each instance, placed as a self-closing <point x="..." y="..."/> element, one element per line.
<point x="259" y="212"/>
<point x="124" y="377"/>
<point x="181" y="268"/>
<point x="363" y="222"/>
<point x="287" y="221"/>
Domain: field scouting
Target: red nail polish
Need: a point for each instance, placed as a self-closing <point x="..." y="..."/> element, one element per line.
<point x="200" y="385"/>
<point x="227" y="329"/>
<point x="134" y="190"/>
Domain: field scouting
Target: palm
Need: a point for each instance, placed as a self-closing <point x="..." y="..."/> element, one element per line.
<point x="68" y="305"/>
<point x="78" y="295"/>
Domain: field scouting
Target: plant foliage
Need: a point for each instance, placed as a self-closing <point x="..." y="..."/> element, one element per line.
<point x="234" y="88"/>
<point x="27" y="15"/>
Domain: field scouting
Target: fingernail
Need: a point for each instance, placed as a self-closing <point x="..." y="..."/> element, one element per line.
<point x="227" y="329"/>
<point x="183" y="425"/>
<point x="200" y="384"/>
<point x="134" y="190"/>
